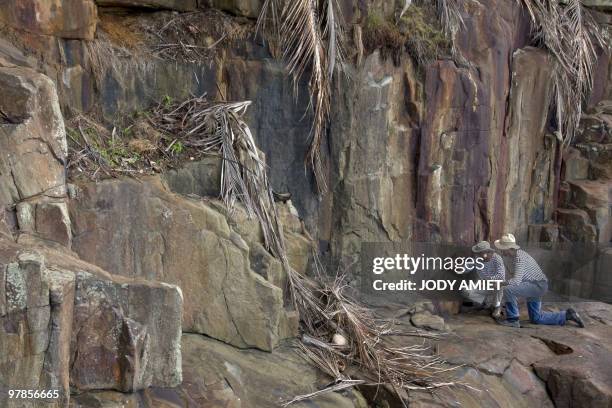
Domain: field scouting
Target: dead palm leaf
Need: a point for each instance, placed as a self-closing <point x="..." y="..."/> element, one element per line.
<point x="310" y="36"/>
<point x="571" y="35"/>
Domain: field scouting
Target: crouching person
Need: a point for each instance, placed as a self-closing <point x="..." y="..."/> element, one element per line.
<point x="493" y="269"/>
<point x="529" y="282"/>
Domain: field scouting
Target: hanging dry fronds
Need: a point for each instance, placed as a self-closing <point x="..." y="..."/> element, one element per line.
<point x="570" y="34"/>
<point x="218" y="128"/>
<point x="310" y="36"/>
<point x="449" y="14"/>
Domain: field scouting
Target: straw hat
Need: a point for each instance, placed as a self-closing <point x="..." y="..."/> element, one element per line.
<point x="507" y="241"/>
<point x="482" y="246"/>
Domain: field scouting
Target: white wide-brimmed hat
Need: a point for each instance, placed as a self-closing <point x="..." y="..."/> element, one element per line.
<point x="507" y="241"/>
<point x="482" y="246"/>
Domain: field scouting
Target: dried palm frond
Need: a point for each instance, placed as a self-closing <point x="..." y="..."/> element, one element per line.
<point x="449" y="13"/>
<point x="219" y="128"/>
<point x="310" y="36"/>
<point x="335" y="386"/>
<point x="571" y="35"/>
<point x="326" y="308"/>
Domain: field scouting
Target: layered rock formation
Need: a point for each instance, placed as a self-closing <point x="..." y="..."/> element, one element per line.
<point x="149" y="292"/>
<point x="157" y="235"/>
<point x="176" y="263"/>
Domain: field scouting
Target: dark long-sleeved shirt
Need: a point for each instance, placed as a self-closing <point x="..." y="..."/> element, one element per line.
<point x="493" y="269"/>
<point x="526" y="269"/>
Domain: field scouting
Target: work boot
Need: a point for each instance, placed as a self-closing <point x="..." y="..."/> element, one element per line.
<point x="571" y="314"/>
<point x="497" y="311"/>
<point x="510" y="323"/>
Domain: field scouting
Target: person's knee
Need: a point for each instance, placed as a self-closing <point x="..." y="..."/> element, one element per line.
<point x="535" y="319"/>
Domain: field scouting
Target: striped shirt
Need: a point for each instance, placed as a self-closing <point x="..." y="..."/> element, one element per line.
<point x="526" y="269"/>
<point x="493" y="268"/>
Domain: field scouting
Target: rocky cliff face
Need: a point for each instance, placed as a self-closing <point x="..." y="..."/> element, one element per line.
<point x="107" y="289"/>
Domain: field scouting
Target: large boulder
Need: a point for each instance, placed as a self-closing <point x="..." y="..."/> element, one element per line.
<point x="74" y="19"/>
<point x="132" y="330"/>
<point x="155" y="234"/>
<point x="32" y="137"/>
<point x="68" y="325"/>
<point x="35" y="325"/>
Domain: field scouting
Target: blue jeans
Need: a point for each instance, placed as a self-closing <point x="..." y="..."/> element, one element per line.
<point x="533" y="292"/>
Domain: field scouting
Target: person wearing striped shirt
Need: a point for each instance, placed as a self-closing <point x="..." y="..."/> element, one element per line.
<point x="493" y="269"/>
<point x="529" y="282"/>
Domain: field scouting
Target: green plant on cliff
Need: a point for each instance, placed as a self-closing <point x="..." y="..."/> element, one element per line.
<point x="97" y="152"/>
<point x="571" y="35"/>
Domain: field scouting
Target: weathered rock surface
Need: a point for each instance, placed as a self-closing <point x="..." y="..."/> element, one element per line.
<point x="536" y="365"/>
<point x="375" y="191"/>
<point x="32" y="137"/>
<point x="61" y="18"/>
<point x="32" y="357"/>
<point x="132" y="330"/>
<point x="62" y="317"/>
<point x="531" y="177"/>
<point x="464" y="153"/>
<point x="157" y="235"/>
<point x="220" y="376"/>
<point x="217" y="375"/>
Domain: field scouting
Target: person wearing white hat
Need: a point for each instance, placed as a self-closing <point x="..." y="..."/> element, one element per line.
<point x="529" y="282"/>
<point x="493" y="269"/>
